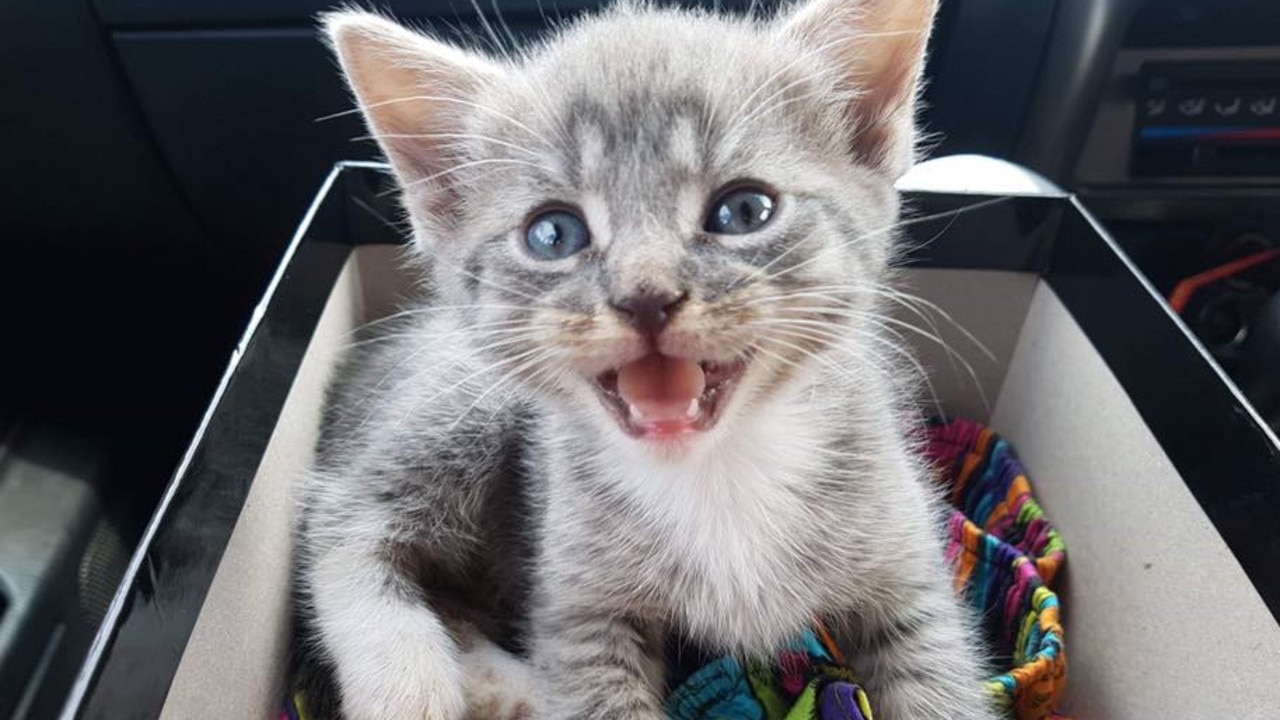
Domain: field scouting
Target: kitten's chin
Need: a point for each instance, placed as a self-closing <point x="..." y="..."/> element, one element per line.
<point x="664" y="399"/>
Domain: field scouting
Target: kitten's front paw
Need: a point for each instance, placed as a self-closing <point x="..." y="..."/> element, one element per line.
<point x="497" y="685"/>
<point x="410" y="685"/>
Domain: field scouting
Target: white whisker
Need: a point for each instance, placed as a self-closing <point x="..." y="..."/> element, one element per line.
<point x="482" y="329"/>
<point x="832" y="339"/>
<point x="542" y="355"/>
<point x="448" y="136"/>
<point x="463" y="166"/>
<point x="519" y="357"/>
<point x="443" y="98"/>
<point x="761" y="271"/>
<point x="885" y="324"/>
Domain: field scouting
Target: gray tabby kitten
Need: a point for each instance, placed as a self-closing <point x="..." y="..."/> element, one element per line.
<point x="654" y="394"/>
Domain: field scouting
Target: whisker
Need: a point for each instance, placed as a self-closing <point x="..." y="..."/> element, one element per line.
<point x="447" y="136"/>
<point x="499" y="286"/>
<point x="460" y="167"/>
<point x="886" y="324"/>
<point x="768" y="105"/>
<point x="950" y="353"/>
<point x="822" y="292"/>
<point x="543" y="354"/>
<point x="483" y="329"/>
<point x="833" y="341"/>
<point x="442" y="98"/>
<point x="905" y="300"/>
<point x="402" y="227"/>
<point x="513" y="339"/>
<point x="804" y="352"/>
<point x="833" y="338"/>
<point x="538" y="95"/>
<point x="498" y="45"/>
<point x="805" y="56"/>
<point x="757" y="347"/>
<point x="519" y="357"/>
<point x="861" y="236"/>
<point x="432" y="308"/>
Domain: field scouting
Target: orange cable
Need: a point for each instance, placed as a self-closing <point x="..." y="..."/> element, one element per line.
<point x="1184" y="290"/>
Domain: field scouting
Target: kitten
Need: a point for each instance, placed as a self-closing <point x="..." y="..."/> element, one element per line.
<point x="653" y="395"/>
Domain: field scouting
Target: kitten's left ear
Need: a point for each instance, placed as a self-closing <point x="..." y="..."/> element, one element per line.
<point x="878" y="49"/>
<point x="415" y="92"/>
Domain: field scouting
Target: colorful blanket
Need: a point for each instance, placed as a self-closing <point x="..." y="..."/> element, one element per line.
<point x="807" y="680"/>
<point x="1005" y="555"/>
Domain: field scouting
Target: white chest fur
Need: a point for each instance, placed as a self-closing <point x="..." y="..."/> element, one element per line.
<point x="731" y="525"/>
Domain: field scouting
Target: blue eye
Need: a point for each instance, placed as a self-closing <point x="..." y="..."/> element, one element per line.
<point x="556" y="234"/>
<point x="740" y="211"/>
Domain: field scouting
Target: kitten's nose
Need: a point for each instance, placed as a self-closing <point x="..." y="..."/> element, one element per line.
<point x="649" y="311"/>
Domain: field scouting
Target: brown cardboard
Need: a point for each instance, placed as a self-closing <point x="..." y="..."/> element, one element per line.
<point x="1161" y="620"/>
<point x="984" y="311"/>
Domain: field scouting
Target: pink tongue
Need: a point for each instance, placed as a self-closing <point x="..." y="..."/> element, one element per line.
<point x="660" y="387"/>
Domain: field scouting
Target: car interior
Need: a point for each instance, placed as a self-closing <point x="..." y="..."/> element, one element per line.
<point x="159" y="155"/>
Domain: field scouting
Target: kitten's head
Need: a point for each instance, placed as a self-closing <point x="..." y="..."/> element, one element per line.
<point x="659" y="217"/>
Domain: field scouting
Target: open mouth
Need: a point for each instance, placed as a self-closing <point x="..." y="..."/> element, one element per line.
<point x="662" y="397"/>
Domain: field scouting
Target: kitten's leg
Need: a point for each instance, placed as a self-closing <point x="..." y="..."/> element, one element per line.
<point x="919" y="662"/>
<point x="597" y="666"/>
<point x="394" y="656"/>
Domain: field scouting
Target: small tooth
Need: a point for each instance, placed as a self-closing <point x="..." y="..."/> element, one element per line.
<point x="635" y="412"/>
<point x="694" y="407"/>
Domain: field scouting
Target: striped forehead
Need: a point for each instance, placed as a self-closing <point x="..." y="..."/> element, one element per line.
<point x="636" y="169"/>
<point x="641" y="139"/>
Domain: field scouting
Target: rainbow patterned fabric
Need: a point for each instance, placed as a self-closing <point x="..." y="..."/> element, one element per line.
<point x="1005" y="555"/>
<point x="806" y="681"/>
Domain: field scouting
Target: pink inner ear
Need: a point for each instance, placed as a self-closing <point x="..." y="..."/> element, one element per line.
<point x="415" y="92"/>
<point x="879" y="48"/>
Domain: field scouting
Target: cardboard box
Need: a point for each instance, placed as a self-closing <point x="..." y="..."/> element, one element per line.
<point x="1164" y="483"/>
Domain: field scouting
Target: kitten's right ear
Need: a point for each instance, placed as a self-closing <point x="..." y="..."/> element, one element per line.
<point x="415" y="93"/>
<point x="877" y="50"/>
